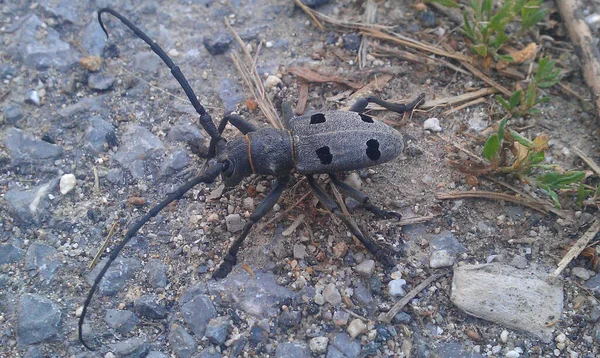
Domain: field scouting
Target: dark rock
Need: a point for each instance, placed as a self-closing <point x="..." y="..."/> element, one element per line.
<point x="428" y="19"/>
<point x="100" y="81"/>
<point x="116" y="176"/>
<point x="219" y="43"/>
<point x="237" y="346"/>
<point x="208" y="353"/>
<point x="173" y="163"/>
<point x="402" y="317"/>
<point x="137" y="143"/>
<point x="290" y="318"/>
<point x="596" y="333"/>
<point x="39" y="319"/>
<point x="333" y="352"/>
<point x="115" y="278"/>
<point x="93" y="39"/>
<point x="331" y="38"/>
<point x="30" y="206"/>
<point x="65" y="11"/>
<point x="183" y="343"/>
<point x="446" y="241"/>
<point x="156" y="273"/>
<point x="363" y="295"/>
<point x="349" y="347"/>
<point x="10" y="253"/>
<point x="371" y="349"/>
<point x="121" y="321"/>
<point x="12" y="113"/>
<point x="41" y="53"/>
<point x="197" y="313"/>
<point x="594" y="314"/>
<point x="44" y="259"/>
<point x="23" y="148"/>
<point x="192" y="292"/>
<point x="352" y="42"/>
<point x="217" y="330"/>
<point x="257" y="335"/>
<point x="296" y="349"/>
<point x="259" y="297"/>
<point x="7" y="71"/>
<point x="314" y="3"/>
<point x="150" y="306"/>
<point x="131" y="348"/>
<point x="96" y="133"/>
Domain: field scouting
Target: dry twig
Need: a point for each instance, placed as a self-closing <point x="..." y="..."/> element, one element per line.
<point x="577" y="248"/>
<point x="589" y="161"/>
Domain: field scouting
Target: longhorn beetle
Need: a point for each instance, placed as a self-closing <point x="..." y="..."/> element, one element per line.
<point x="321" y="143"/>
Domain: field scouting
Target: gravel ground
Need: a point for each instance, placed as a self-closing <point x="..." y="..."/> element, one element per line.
<point x="87" y="147"/>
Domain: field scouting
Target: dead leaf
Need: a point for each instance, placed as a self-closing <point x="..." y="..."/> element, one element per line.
<point x="251" y="104"/>
<point x="91" y="63"/>
<point x="302" y="98"/>
<point x="136" y="201"/>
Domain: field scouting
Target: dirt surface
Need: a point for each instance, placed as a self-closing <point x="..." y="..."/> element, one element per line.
<point x="124" y="133"/>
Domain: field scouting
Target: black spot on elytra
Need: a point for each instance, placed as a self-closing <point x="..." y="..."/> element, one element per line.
<point x="373" y="149"/>
<point x="366" y="118"/>
<point x="324" y="155"/>
<point x="317" y="118"/>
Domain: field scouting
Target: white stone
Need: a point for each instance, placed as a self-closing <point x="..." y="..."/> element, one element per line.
<point x="504" y="336"/>
<point x="512" y="354"/>
<point x="33" y="97"/>
<point x="318" y="344"/>
<point x="395" y="287"/>
<point x="67" y="183"/>
<point x="441" y="258"/>
<point x="271" y="82"/>
<point x="581" y="272"/>
<point x="366" y="268"/>
<point x="353" y="180"/>
<point x="356" y="327"/>
<point x="561" y="338"/>
<point x="332" y="295"/>
<point x="432" y="124"/>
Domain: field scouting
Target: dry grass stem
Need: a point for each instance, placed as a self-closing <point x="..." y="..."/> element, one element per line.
<point x="534" y="204"/>
<point x="579" y="246"/>
<point x="104" y="245"/>
<point x="456" y="100"/>
<point x="463" y="106"/>
<point x="589" y="161"/>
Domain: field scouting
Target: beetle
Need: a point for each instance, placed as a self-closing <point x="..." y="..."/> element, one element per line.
<point x="320" y="143"/>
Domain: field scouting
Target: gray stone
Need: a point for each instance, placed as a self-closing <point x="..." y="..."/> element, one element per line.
<point x="96" y="134"/>
<point x="39" y="319"/>
<point x="122" y="321"/>
<point x="185" y="132"/>
<point x="156" y="273"/>
<point x="131" y="348"/>
<point x="44" y="259"/>
<point x="318" y="345"/>
<point x="238" y="346"/>
<point x="260" y="296"/>
<point x="182" y="343"/>
<point x="594" y="314"/>
<point x="197" y="313"/>
<point x="33" y="97"/>
<point x="446" y="241"/>
<point x="290" y="318"/>
<point x="346" y="345"/>
<point x="396" y="287"/>
<point x="296" y="349"/>
<point x="299" y="251"/>
<point x="332" y="295"/>
<point x="402" y="317"/>
<point x="219" y="43"/>
<point x="116" y="176"/>
<point x="65" y="11"/>
<point x="10" y="253"/>
<point x="581" y="272"/>
<point x="217" y="330"/>
<point x="352" y="42"/>
<point x="93" y="39"/>
<point x="593" y="283"/>
<point x="234" y="223"/>
<point x="366" y="268"/>
<point x="117" y="275"/>
<point x="150" y="306"/>
<point x="84" y="107"/>
<point x="517" y="299"/>
<point x="100" y="82"/>
<point x="30" y="206"/>
<point x="519" y="261"/>
<point x="257" y="335"/>
<point x="193" y="291"/>
<point x="7" y="71"/>
<point x="208" y="353"/>
<point x="363" y="296"/>
<point x="23" y="148"/>
<point x="13" y="113"/>
<point x="156" y="354"/>
<point x="333" y="352"/>
<point x="147" y="62"/>
<point x="40" y="52"/>
<point x="231" y="93"/>
<point x="138" y="143"/>
<point x="173" y="163"/>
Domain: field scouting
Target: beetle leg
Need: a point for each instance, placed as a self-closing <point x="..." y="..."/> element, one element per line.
<point x="379" y="252"/>
<point x="363" y="199"/>
<point x="288" y="114"/>
<point x="237" y="121"/>
<point x="261" y="210"/>
<point x="361" y="105"/>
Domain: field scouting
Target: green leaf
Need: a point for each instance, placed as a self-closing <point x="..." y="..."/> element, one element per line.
<point x="532" y="19"/>
<point x="519" y="138"/>
<point x="515" y="98"/>
<point x="582" y="194"/>
<point x="504" y="104"/>
<point x="507" y="58"/>
<point x="554" y="198"/>
<point x="491" y="146"/>
<point x="501" y="127"/>
<point x="481" y="50"/>
<point x="530" y="95"/>
<point x="597" y="192"/>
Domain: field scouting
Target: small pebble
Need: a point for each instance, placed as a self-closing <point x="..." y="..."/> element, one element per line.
<point x="318" y="345"/>
<point x="366" y="268"/>
<point x="33" y="97"/>
<point x="581" y="272"/>
<point x="504" y="336"/>
<point x="512" y="354"/>
<point x="271" y="82"/>
<point x="395" y="287"/>
<point x="340" y="249"/>
<point x="67" y="183"/>
<point x="356" y="327"/>
<point x="432" y="124"/>
<point x="332" y="295"/>
<point x="561" y="338"/>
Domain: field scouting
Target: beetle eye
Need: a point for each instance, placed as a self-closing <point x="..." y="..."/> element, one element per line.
<point x="228" y="167"/>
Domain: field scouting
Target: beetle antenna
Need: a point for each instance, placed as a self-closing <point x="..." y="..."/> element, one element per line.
<point x="205" y="119"/>
<point x="207" y="177"/>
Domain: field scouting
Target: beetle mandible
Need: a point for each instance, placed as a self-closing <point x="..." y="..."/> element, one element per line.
<point x="321" y="143"/>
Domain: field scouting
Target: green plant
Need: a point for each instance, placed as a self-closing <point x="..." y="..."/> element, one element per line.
<point x="522" y="103"/>
<point x="486" y="28"/>
<point x="526" y="163"/>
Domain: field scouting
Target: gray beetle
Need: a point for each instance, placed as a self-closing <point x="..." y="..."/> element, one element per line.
<point x="320" y="143"/>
